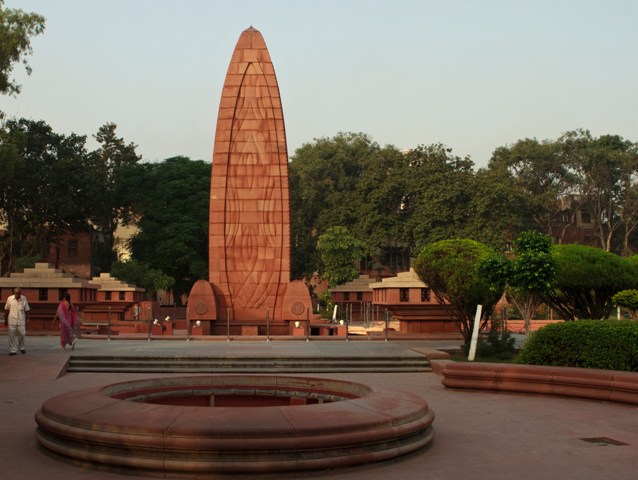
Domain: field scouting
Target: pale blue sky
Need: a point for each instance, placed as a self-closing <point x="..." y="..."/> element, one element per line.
<point x="474" y="75"/>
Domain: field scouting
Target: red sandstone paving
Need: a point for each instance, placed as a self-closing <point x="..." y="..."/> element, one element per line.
<point x="477" y="435"/>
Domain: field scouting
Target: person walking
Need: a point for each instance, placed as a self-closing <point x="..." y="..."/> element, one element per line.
<point x="67" y="316"/>
<point x="16" y="315"/>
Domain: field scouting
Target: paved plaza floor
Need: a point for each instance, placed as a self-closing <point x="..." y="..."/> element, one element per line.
<point x="478" y="435"/>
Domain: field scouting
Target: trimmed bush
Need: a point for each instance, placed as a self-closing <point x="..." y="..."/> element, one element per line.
<point x="629" y="300"/>
<point x="498" y="345"/>
<point x="606" y="344"/>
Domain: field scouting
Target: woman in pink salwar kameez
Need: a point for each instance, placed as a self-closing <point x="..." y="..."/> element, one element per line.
<point x="68" y="322"/>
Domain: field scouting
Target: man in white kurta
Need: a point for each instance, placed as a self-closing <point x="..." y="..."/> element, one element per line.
<point x="16" y="315"/>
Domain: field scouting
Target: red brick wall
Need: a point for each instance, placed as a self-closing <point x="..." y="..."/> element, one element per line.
<point x="75" y="254"/>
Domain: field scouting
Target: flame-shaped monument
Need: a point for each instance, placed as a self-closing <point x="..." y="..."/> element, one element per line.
<point x="249" y="232"/>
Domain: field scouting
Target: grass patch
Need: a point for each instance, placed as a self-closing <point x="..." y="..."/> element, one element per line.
<point x="458" y="356"/>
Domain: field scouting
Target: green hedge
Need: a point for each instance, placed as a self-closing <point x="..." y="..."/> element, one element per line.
<point x="606" y="344"/>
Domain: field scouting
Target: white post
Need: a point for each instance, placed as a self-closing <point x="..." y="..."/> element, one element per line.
<point x="334" y="313"/>
<point x="475" y="332"/>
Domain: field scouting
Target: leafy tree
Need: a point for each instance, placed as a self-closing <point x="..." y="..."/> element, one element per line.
<point x="142" y="275"/>
<point x="629" y="214"/>
<point x="607" y="170"/>
<point x="532" y="273"/>
<point x="12" y="208"/>
<point x="394" y="201"/>
<point x="45" y="189"/>
<point x="499" y="208"/>
<point x="629" y="300"/>
<point x="451" y="268"/>
<point x="577" y="173"/>
<point x="528" y="275"/>
<point x="586" y="280"/>
<point x="323" y="178"/>
<point x="338" y="251"/>
<point x="543" y="173"/>
<point x="16" y="30"/>
<point x="171" y="200"/>
<point x="111" y="161"/>
<point x="438" y="191"/>
<point x="378" y="198"/>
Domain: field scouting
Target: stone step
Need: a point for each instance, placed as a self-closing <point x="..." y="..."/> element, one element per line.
<point x="138" y="364"/>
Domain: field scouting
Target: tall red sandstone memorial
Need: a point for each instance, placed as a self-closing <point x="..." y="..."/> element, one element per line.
<point x="249" y="230"/>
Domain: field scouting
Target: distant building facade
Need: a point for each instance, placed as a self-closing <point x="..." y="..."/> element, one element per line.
<point x="412" y="303"/>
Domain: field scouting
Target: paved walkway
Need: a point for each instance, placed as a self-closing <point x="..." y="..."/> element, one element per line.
<point x="477" y="435"/>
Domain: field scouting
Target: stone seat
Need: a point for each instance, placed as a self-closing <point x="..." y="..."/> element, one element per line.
<point x="592" y="384"/>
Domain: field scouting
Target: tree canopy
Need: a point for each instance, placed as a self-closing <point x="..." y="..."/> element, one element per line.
<point x="323" y="181"/>
<point x="629" y="300"/>
<point x="52" y="185"/>
<point x="170" y="201"/>
<point x="338" y="251"/>
<point x="46" y="188"/>
<point x="111" y="164"/>
<point x="586" y="280"/>
<point x="16" y="31"/>
<point x="574" y="180"/>
<point x="142" y="275"/>
<point x="392" y="201"/>
<point x="451" y="268"/>
<point x="528" y="274"/>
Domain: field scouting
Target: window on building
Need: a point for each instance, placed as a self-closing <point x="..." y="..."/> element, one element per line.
<point x="62" y="292"/>
<point x="107" y="295"/>
<point x="585" y="217"/>
<point x="122" y="296"/>
<point x="425" y="294"/>
<point x="359" y="296"/>
<point x="73" y="248"/>
<point x="43" y="294"/>
<point x="346" y="296"/>
<point x="404" y="295"/>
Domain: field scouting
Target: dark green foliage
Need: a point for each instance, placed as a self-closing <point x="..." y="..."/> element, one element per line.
<point x="392" y="201"/>
<point x="586" y="280"/>
<point x="497" y="345"/>
<point x="439" y="187"/>
<point x="323" y="180"/>
<point x="171" y="202"/>
<point x="541" y="173"/>
<point x="112" y="161"/>
<point x="25" y="262"/>
<point x="338" y="251"/>
<point x="46" y="188"/>
<point x="531" y="274"/>
<point x="499" y="208"/>
<point x="142" y="275"/>
<point x="573" y="175"/>
<point x="451" y="268"/>
<point x="611" y="345"/>
<point x="629" y="300"/>
<point x="606" y="169"/>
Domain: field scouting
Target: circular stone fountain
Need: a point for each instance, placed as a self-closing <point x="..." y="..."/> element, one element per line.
<point x="206" y="425"/>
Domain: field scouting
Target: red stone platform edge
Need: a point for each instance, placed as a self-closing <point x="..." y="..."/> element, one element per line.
<point x="592" y="384"/>
<point x="94" y="428"/>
